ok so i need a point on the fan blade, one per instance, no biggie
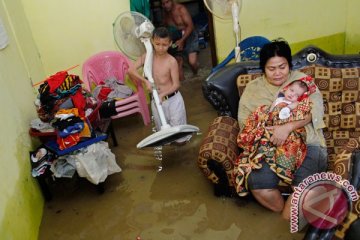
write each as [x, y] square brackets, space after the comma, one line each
[124, 30]
[127, 24]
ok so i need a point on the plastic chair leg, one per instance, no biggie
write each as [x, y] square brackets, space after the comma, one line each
[145, 115]
[111, 131]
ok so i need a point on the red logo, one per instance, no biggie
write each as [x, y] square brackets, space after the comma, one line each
[324, 205]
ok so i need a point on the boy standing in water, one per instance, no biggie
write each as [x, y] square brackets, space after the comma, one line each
[166, 77]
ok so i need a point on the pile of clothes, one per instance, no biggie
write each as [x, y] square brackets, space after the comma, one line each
[108, 92]
[93, 162]
[68, 109]
[62, 102]
[111, 89]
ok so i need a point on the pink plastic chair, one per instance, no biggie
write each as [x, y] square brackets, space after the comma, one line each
[113, 64]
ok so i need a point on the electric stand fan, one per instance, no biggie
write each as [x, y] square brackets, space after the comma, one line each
[130, 29]
[228, 9]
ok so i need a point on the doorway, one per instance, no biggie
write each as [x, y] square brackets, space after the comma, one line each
[201, 17]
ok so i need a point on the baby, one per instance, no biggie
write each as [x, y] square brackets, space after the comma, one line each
[290, 95]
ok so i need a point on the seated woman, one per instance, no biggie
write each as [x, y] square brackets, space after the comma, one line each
[276, 64]
[293, 104]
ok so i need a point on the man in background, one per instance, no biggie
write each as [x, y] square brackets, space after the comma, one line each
[185, 38]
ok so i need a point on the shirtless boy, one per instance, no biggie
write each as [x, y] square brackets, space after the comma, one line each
[176, 15]
[166, 77]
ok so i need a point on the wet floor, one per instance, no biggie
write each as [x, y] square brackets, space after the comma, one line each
[141, 202]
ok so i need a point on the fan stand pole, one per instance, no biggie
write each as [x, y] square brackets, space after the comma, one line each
[235, 14]
[237, 54]
[167, 133]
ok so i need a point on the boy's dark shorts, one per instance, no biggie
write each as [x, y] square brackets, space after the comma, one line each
[314, 162]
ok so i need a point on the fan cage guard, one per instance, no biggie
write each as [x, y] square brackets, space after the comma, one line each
[222, 8]
[125, 39]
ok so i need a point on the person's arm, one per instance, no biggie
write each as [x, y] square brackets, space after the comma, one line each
[134, 74]
[189, 27]
[175, 81]
[281, 132]
[243, 108]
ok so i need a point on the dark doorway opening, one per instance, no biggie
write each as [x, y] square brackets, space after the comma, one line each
[202, 19]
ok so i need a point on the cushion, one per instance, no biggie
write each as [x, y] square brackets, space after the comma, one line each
[243, 79]
[220, 145]
[340, 88]
[343, 166]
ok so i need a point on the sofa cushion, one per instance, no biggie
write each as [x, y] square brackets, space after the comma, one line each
[220, 145]
[340, 89]
[243, 79]
[335, 140]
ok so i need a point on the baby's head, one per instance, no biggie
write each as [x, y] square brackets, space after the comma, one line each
[295, 90]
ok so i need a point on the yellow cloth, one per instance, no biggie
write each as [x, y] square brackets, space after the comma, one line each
[260, 92]
[86, 132]
[74, 111]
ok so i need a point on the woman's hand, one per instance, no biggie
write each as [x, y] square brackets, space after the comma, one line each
[280, 134]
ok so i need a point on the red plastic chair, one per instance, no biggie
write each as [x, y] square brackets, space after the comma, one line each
[113, 64]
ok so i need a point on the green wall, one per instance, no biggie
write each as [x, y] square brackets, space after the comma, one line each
[67, 32]
[333, 44]
[21, 203]
[333, 25]
[352, 41]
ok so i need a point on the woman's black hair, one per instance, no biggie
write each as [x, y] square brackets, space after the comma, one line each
[161, 32]
[278, 47]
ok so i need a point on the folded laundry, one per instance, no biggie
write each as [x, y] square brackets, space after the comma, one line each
[41, 159]
[63, 124]
[39, 170]
[111, 89]
[77, 127]
[107, 109]
[64, 116]
[68, 141]
[38, 155]
[63, 167]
